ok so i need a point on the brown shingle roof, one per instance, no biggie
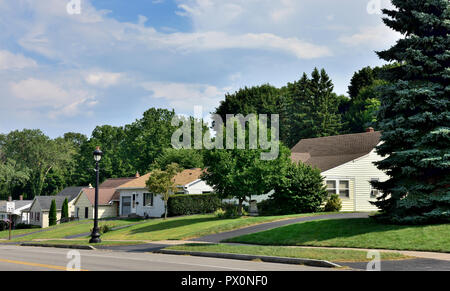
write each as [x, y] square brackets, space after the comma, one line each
[105, 195]
[116, 182]
[329, 152]
[181, 179]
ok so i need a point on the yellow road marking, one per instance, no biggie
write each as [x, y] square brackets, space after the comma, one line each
[37, 265]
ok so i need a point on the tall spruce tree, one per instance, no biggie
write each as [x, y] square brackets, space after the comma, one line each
[65, 211]
[317, 114]
[52, 216]
[414, 115]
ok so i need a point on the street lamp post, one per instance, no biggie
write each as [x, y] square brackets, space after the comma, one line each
[95, 236]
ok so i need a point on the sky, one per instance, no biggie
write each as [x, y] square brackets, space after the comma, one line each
[66, 67]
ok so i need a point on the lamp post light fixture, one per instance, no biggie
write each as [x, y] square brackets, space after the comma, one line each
[95, 236]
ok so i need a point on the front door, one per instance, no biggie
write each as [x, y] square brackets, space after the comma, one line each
[126, 206]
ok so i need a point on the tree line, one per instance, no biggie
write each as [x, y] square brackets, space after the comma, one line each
[32, 164]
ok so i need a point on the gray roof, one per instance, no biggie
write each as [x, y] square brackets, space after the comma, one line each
[22, 203]
[70, 192]
[329, 152]
[46, 201]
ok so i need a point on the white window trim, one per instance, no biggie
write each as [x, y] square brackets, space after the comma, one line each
[337, 180]
[372, 188]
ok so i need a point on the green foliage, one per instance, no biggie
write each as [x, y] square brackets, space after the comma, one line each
[312, 108]
[220, 213]
[301, 190]
[193, 204]
[33, 150]
[414, 115]
[12, 175]
[363, 78]
[334, 204]
[363, 109]
[161, 182]
[52, 215]
[65, 210]
[105, 228]
[241, 174]
[187, 159]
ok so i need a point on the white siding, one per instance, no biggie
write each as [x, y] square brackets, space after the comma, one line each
[198, 187]
[361, 171]
[157, 210]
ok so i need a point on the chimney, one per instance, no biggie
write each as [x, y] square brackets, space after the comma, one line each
[370, 129]
[21, 197]
[10, 198]
[137, 175]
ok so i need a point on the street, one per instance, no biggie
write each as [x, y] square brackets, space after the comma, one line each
[17, 258]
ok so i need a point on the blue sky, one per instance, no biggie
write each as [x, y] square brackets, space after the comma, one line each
[64, 72]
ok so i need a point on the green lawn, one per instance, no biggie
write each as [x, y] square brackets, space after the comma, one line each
[86, 242]
[5, 234]
[67, 229]
[355, 233]
[189, 227]
[289, 252]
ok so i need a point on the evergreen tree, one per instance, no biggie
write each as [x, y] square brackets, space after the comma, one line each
[52, 218]
[363, 78]
[65, 210]
[415, 116]
[317, 112]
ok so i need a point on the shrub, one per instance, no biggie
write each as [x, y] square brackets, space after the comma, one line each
[25, 226]
[3, 225]
[52, 218]
[334, 204]
[220, 213]
[231, 211]
[65, 211]
[105, 228]
[301, 191]
[185, 204]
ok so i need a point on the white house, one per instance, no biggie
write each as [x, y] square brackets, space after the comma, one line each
[19, 214]
[347, 165]
[108, 203]
[134, 198]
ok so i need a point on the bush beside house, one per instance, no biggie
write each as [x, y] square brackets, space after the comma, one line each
[302, 190]
[52, 216]
[193, 204]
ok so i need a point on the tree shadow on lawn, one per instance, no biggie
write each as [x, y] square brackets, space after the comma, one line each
[168, 224]
[321, 230]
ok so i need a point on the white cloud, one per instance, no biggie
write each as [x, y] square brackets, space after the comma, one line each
[37, 94]
[374, 36]
[103, 79]
[12, 61]
[183, 97]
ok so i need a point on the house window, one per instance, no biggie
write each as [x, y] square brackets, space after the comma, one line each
[148, 199]
[86, 212]
[339, 187]
[38, 216]
[31, 215]
[374, 193]
[134, 200]
[331, 187]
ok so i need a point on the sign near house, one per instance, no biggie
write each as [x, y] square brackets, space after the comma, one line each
[10, 207]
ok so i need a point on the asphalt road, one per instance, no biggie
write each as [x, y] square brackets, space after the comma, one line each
[16, 258]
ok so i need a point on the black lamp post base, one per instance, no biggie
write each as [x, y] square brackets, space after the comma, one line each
[95, 238]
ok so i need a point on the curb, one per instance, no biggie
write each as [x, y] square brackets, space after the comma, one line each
[280, 260]
[58, 246]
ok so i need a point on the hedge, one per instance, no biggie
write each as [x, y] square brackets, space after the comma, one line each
[186, 204]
